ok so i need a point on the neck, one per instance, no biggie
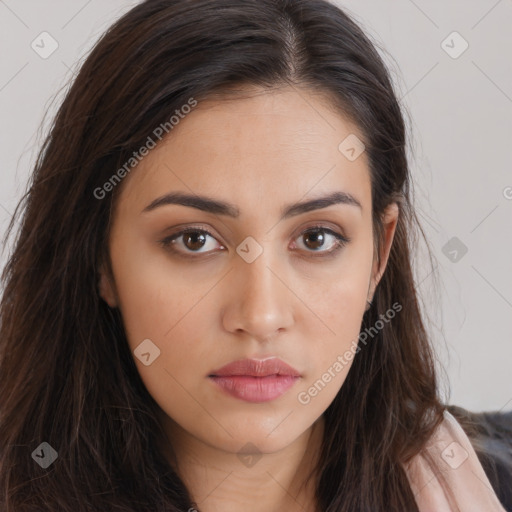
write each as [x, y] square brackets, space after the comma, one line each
[220, 480]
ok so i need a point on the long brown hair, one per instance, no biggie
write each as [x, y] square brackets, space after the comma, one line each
[67, 375]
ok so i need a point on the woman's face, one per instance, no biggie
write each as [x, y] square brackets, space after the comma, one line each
[271, 280]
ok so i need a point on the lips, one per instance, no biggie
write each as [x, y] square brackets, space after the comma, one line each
[256, 368]
[255, 380]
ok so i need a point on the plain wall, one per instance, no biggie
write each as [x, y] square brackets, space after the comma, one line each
[460, 109]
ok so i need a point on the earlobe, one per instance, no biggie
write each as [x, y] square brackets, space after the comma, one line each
[106, 289]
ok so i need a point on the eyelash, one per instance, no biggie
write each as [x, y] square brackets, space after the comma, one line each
[340, 241]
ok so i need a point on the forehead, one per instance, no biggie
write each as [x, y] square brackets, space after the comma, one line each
[266, 148]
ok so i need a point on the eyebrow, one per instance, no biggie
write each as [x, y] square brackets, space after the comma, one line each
[210, 205]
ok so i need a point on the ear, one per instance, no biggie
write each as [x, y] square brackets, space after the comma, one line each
[389, 221]
[106, 288]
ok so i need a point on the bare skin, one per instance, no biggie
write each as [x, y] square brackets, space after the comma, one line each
[205, 306]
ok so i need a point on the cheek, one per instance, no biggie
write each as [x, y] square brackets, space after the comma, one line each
[332, 324]
[331, 354]
[171, 309]
[339, 297]
[341, 310]
[153, 297]
[168, 311]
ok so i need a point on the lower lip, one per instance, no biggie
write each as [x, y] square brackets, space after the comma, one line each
[255, 389]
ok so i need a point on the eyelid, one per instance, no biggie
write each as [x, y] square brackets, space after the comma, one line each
[329, 227]
[167, 241]
[340, 240]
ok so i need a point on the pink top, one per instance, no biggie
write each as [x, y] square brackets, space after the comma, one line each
[446, 476]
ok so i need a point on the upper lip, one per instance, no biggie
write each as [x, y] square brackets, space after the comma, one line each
[256, 368]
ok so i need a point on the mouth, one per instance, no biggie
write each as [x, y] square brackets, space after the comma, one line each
[254, 380]
[255, 389]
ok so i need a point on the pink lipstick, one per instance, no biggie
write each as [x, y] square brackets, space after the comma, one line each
[255, 380]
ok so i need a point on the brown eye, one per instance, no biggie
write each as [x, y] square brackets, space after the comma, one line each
[314, 239]
[321, 240]
[194, 240]
[190, 241]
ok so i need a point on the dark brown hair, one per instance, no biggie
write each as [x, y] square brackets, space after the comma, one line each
[68, 377]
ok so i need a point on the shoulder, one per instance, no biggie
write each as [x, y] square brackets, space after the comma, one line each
[491, 437]
[447, 474]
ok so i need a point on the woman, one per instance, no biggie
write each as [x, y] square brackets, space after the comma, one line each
[210, 304]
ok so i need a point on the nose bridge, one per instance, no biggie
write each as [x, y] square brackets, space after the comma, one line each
[258, 278]
[260, 303]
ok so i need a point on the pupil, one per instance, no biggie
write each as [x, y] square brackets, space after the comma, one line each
[197, 240]
[315, 237]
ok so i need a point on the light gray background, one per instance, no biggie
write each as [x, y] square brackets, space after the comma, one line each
[461, 118]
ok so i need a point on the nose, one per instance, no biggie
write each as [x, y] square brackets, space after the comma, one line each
[259, 303]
